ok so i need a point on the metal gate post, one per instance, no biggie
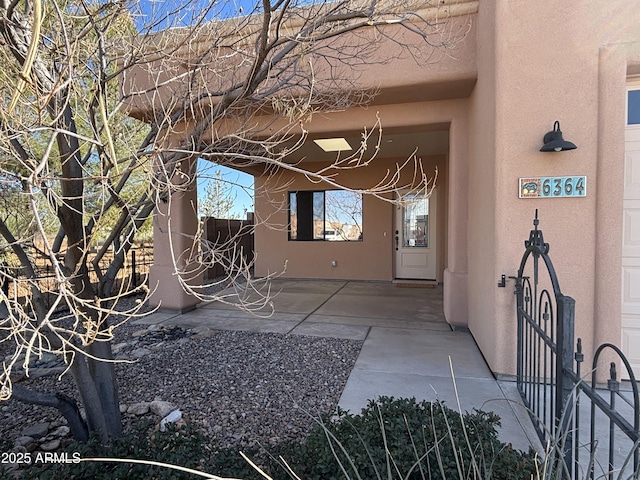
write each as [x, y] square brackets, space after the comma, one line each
[564, 385]
[520, 329]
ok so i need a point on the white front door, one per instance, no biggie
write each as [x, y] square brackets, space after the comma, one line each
[415, 237]
[631, 236]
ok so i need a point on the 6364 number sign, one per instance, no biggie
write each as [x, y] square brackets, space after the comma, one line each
[553, 187]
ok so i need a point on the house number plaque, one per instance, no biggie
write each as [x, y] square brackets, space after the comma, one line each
[553, 187]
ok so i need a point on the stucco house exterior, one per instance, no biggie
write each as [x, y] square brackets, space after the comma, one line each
[479, 117]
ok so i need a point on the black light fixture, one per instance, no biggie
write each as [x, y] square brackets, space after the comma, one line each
[553, 141]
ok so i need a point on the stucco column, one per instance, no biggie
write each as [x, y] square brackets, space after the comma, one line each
[455, 275]
[175, 224]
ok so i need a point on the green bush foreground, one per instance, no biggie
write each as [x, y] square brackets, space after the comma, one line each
[390, 439]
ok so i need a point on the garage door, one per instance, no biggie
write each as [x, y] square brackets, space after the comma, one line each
[631, 233]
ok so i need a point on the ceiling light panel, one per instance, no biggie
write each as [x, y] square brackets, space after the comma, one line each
[333, 144]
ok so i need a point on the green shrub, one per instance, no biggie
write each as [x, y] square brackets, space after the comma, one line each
[228, 463]
[400, 438]
[390, 439]
[182, 446]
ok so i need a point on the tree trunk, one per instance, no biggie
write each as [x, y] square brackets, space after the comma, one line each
[96, 379]
[90, 397]
[66, 405]
[104, 377]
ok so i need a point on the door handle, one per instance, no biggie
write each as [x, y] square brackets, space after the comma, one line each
[397, 241]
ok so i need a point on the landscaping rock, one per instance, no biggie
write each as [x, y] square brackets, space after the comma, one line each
[140, 352]
[141, 408]
[173, 417]
[275, 380]
[51, 445]
[17, 376]
[23, 441]
[48, 371]
[61, 431]
[162, 408]
[203, 332]
[36, 431]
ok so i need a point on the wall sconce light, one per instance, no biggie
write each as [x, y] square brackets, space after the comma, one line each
[553, 141]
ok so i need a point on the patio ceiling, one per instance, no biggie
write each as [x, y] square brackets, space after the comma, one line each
[393, 144]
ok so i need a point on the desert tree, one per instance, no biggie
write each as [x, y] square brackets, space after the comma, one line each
[219, 196]
[344, 208]
[107, 105]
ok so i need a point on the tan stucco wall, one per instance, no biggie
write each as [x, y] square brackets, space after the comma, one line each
[175, 225]
[443, 67]
[482, 187]
[563, 61]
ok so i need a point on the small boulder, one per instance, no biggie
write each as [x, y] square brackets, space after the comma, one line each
[162, 408]
[51, 445]
[173, 417]
[23, 441]
[17, 376]
[141, 408]
[61, 431]
[38, 430]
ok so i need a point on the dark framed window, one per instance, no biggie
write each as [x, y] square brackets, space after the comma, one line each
[633, 107]
[325, 215]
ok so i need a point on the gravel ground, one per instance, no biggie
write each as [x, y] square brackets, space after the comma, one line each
[242, 388]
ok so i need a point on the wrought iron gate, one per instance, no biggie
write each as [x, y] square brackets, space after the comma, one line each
[560, 402]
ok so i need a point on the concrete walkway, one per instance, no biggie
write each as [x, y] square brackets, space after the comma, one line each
[409, 350]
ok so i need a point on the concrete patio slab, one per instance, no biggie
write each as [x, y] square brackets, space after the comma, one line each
[388, 289]
[380, 322]
[326, 287]
[394, 350]
[207, 315]
[283, 302]
[414, 363]
[365, 385]
[374, 305]
[510, 392]
[333, 330]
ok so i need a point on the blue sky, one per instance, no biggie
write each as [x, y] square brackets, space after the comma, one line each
[242, 190]
[184, 12]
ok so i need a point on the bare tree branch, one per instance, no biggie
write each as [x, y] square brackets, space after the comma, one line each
[108, 111]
